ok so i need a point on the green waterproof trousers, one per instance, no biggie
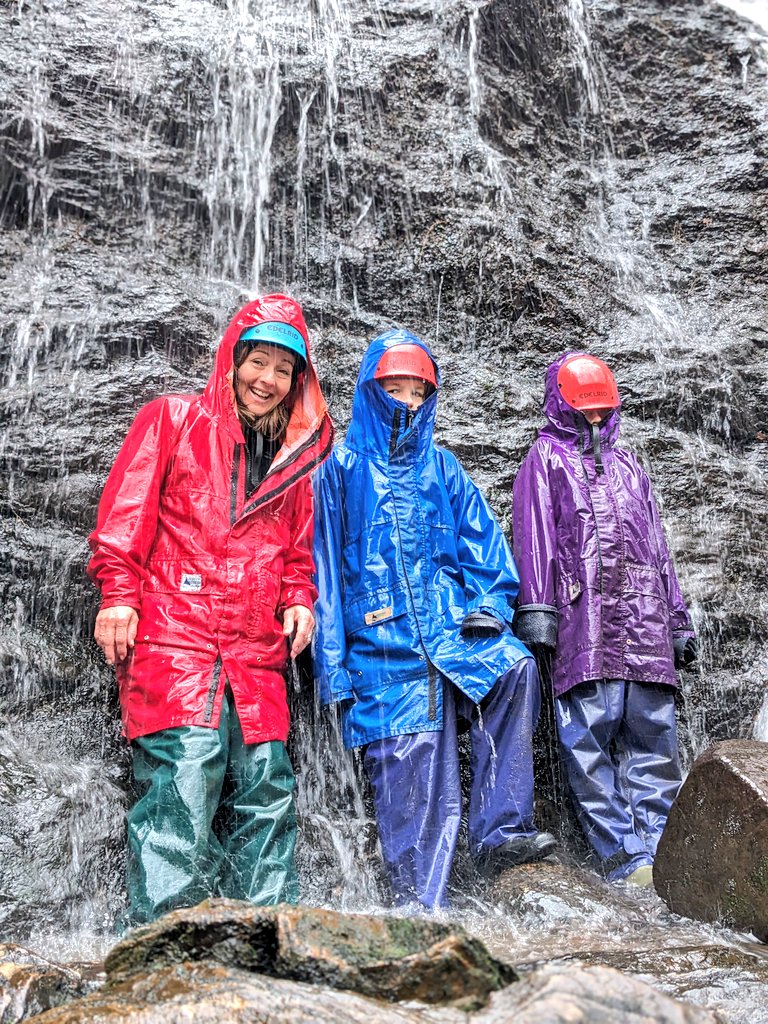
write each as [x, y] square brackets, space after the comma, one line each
[215, 818]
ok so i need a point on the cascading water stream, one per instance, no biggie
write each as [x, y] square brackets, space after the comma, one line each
[376, 159]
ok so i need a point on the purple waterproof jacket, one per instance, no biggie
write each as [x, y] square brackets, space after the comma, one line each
[589, 546]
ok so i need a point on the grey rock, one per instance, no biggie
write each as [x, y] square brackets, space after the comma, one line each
[210, 993]
[592, 995]
[385, 958]
[712, 861]
[228, 962]
[31, 984]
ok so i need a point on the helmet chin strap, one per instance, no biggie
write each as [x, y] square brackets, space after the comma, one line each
[594, 429]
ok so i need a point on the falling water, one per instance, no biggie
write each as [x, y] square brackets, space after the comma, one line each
[760, 729]
[582, 50]
[374, 159]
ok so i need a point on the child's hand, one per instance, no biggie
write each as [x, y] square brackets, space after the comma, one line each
[299, 623]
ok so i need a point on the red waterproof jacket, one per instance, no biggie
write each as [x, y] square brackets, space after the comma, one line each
[209, 572]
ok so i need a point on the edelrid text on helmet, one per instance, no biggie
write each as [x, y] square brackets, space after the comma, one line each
[283, 335]
[406, 361]
[586, 382]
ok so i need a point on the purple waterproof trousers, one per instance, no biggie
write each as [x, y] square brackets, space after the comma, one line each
[618, 743]
[417, 786]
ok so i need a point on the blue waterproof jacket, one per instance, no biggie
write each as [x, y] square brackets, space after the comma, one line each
[405, 547]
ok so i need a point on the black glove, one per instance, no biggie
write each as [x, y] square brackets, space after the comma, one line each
[537, 628]
[686, 650]
[478, 625]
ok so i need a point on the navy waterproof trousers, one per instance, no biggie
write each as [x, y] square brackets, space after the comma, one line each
[618, 744]
[417, 786]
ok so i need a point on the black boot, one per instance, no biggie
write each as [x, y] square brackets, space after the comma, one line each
[517, 850]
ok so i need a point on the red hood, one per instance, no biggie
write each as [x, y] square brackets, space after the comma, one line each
[309, 415]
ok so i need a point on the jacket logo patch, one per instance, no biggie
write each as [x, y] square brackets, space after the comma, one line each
[574, 590]
[379, 615]
[191, 583]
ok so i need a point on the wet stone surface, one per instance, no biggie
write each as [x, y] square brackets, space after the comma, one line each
[224, 961]
[712, 862]
[31, 984]
[385, 958]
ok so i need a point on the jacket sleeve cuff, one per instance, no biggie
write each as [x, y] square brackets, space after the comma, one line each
[499, 609]
[537, 627]
[126, 599]
[335, 686]
[298, 595]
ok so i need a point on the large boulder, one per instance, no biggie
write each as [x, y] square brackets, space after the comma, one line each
[382, 957]
[210, 993]
[712, 862]
[589, 995]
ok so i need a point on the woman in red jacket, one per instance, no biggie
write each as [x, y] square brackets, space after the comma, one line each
[202, 551]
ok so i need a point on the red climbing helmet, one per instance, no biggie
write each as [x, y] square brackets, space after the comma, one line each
[585, 382]
[406, 361]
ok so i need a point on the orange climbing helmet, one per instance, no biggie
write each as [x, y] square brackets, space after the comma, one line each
[585, 382]
[406, 361]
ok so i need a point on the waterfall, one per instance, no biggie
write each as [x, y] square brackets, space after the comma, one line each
[508, 180]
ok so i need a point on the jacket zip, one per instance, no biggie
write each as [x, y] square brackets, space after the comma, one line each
[262, 499]
[431, 674]
[623, 554]
[594, 519]
[236, 460]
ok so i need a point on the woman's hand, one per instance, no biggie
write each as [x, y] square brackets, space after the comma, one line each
[299, 623]
[115, 632]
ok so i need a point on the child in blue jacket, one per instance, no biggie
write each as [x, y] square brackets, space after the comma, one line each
[416, 591]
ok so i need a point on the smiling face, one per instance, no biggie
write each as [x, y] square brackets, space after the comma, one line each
[264, 377]
[410, 390]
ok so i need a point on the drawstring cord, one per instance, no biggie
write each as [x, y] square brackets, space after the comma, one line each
[595, 431]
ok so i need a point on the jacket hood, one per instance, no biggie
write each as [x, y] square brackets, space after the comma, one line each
[378, 417]
[565, 422]
[309, 434]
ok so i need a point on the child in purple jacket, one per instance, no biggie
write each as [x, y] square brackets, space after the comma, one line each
[598, 588]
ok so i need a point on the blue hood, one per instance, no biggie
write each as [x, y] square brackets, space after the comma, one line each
[406, 547]
[374, 411]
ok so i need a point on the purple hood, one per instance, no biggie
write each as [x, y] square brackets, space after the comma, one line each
[568, 424]
[591, 552]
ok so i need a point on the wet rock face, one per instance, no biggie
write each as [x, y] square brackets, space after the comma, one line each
[30, 984]
[712, 862]
[501, 179]
[593, 995]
